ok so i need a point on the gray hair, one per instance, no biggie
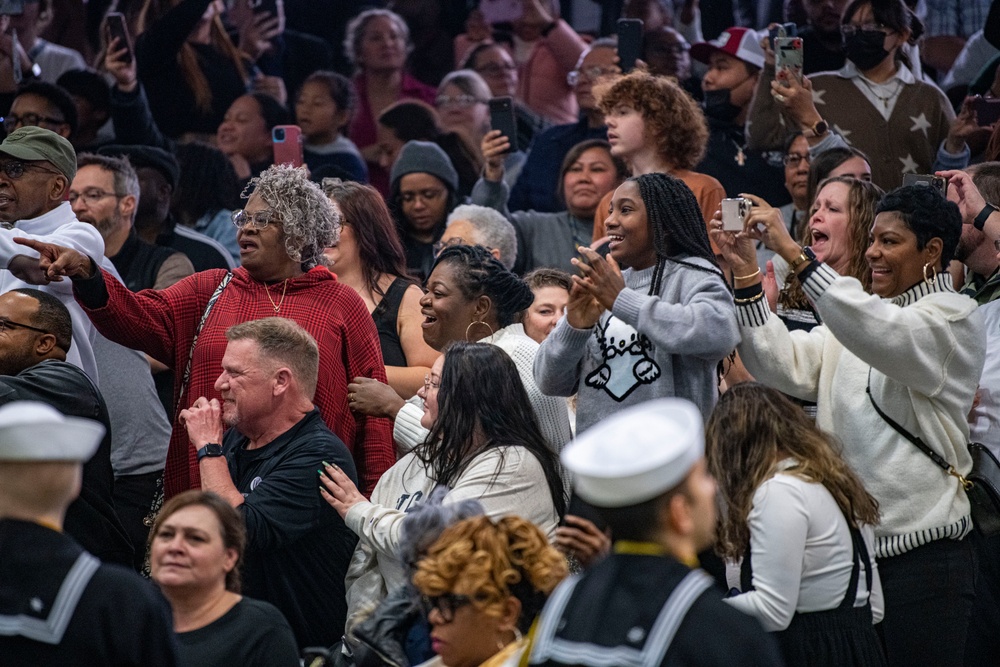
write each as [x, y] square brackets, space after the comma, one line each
[125, 180]
[494, 230]
[309, 220]
[356, 30]
[469, 82]
[283, 342]
[423, 524]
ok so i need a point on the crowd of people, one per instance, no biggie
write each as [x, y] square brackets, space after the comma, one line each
[679, 366]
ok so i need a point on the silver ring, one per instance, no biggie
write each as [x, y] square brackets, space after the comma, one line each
[780, 97]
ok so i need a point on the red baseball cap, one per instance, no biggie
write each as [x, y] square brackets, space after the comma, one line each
[741, 43]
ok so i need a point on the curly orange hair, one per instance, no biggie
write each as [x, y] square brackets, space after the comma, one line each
[492, 561]
[673, 119]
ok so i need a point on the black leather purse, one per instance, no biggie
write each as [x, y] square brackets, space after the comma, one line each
[982, 485]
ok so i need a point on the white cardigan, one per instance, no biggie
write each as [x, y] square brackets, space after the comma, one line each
[925, 349]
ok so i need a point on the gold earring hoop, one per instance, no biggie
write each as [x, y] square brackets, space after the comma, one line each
[474, 323]
[930, 280]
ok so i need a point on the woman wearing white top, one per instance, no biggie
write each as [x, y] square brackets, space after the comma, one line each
[801, 521]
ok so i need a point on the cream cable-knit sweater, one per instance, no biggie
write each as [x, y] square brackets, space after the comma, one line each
[925, 349]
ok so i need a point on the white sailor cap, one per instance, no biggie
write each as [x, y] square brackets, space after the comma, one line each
[32, 431]
[637, 454]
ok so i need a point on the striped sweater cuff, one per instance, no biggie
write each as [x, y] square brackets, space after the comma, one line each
[893, 545]
[753, 314]
[815, 283]
[407, 430]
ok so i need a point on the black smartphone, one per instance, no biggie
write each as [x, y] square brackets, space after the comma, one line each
[502, 118]
[629, 43]
[987, 110]
[939, 183]
[118, 29]
[585, 510]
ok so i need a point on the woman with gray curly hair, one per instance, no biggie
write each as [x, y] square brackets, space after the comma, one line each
[282, 231]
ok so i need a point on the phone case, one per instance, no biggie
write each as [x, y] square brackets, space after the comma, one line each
[117, 28]
[629, 43]
[502, 118]
[788, 55]
[287, 143]
[734, 213]
[987, 110]
[929, 180]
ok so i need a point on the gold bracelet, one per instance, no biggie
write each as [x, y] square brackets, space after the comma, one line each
[748, 277]
[753, 299]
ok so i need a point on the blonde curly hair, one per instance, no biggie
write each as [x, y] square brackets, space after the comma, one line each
[493, 560]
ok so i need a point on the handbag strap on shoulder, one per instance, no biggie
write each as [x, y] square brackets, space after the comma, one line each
[917, 442]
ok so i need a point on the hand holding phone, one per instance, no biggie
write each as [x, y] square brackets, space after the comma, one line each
[629, 43]
[939, 183]
[788, 57]
[734, 213]
[117, 29]
[502, 118]
[987, 110]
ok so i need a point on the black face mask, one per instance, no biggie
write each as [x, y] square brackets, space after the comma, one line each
[718, 106]
[865, 48]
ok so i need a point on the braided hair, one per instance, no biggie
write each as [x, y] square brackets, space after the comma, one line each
[677, 224]
[479, 273]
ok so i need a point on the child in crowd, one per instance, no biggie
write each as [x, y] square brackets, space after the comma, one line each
[323, 110]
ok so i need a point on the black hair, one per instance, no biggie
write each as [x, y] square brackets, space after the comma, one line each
[574, 153]
[821, 165]
[986, 177]
[55, 96]
[638, 523]
[207, 184]
[273, 111]
[339, 87]
[677, 223]
[88, 84]
[52, 315]
[482, 404]
[790, 139]
[480, 273]
[411, 120]
[928, 215]
[893, 14]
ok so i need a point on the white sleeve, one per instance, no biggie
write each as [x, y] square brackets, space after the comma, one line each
[407, 430]
[779, 524]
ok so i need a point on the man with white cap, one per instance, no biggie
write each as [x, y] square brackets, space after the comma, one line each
[647, 603]
[58, 604]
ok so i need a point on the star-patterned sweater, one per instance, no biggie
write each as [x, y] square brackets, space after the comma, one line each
[905, 143]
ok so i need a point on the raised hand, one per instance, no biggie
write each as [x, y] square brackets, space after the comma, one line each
[601, 277]
[57, 261]
[203, 421]
[124, 72]
[494, 146]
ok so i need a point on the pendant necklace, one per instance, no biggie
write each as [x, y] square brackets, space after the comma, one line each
[874, 91]
[267, 291]
[741, 157]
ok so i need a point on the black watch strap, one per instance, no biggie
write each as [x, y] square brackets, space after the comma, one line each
[212, 449]
[980, 220]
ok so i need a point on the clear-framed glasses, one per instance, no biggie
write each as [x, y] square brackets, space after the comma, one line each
[256, 220]
[12, 121]
[850, 29]
[496, 69]
[461, 101]
[795, 159]
[446, 604]
[91, 196]
[15, 169]
[453, 241]
[590, 73]
[428, 195]
[11, 324]
[430, 383]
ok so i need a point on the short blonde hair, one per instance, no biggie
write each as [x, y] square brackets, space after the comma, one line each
[283, 342]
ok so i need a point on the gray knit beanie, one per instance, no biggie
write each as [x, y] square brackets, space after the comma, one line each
[423, 157]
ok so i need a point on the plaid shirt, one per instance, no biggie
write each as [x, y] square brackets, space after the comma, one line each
[162, 324]
[960, 18]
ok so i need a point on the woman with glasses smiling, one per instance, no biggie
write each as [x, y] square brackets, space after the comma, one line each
[875, 100]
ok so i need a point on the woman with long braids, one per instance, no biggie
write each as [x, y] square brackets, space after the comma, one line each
[484, 444]
[656, 329]
[801, 521]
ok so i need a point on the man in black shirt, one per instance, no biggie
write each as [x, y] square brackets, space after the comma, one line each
[298, 548]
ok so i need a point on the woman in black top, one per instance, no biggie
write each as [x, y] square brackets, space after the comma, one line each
[369, 257]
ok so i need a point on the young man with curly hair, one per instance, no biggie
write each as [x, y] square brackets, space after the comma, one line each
[655, 126]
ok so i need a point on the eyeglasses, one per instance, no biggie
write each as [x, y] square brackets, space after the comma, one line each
[850, 29]
[430, 384]
[794, 159]
[446, 605]
[590, 73]
[462, 101]
[12, 121]
[11, 324]
[256, 220]
[91, 197]
[496, 69]
[453, 241]
[425, 195]
[15, 169]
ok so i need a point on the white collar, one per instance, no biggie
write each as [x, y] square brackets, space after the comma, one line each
[903, 73]
[48, 222]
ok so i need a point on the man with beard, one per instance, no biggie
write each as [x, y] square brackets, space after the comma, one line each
[734, 61]
[105, 193]
[37, 334]
[822, 43]
[265, 465]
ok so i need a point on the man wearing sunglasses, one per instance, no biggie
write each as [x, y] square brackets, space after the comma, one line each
[37, 167]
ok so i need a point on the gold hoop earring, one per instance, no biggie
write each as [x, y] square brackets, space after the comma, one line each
[474, 323]
[933, 276]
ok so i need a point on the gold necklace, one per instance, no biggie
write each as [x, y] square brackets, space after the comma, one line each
[267, 291]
